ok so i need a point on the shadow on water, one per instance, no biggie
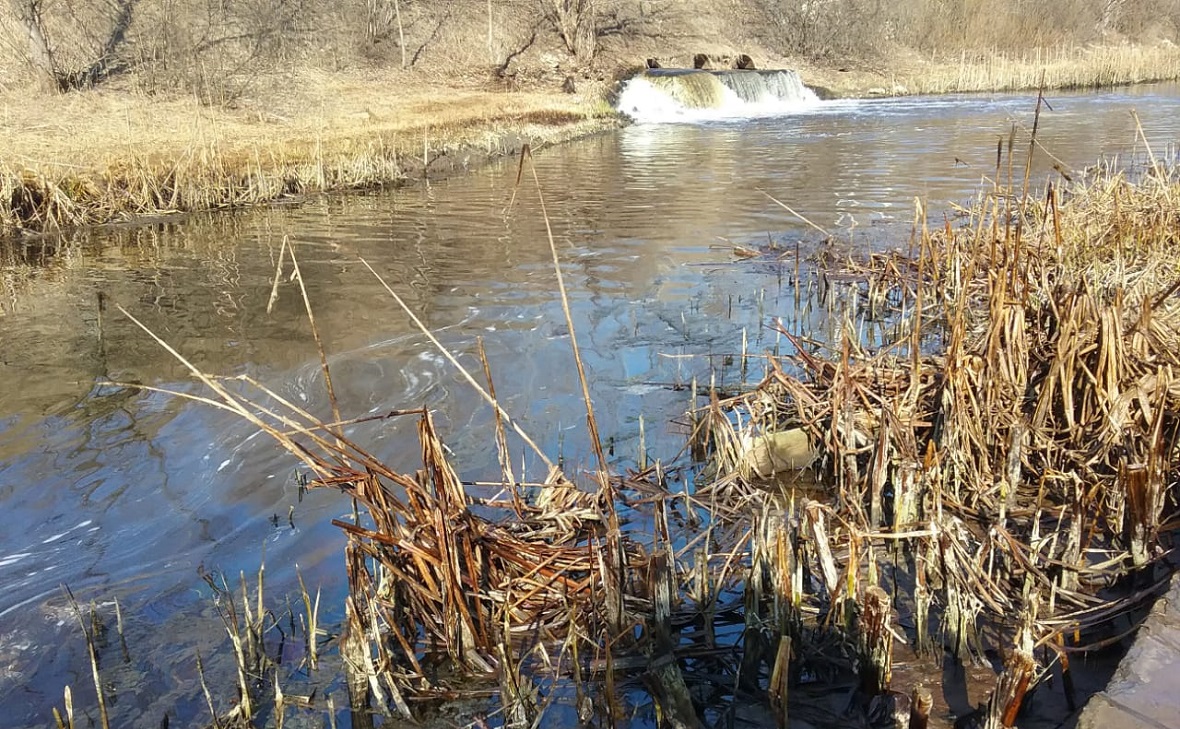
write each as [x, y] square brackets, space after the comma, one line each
[123, 492]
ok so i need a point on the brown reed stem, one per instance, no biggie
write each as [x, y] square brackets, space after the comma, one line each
[591, 421]
[315, 333]
[104, 720]
[462, 370]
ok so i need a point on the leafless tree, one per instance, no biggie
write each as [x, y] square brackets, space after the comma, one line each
[576, 22]
[92, 63]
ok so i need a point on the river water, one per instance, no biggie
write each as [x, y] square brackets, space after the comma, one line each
[123, 493]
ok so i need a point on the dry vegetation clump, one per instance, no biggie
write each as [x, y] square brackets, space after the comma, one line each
[995, 483]
[1006, 468]
[113, 160]
[1061, 67]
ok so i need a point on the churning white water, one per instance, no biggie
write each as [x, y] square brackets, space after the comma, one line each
[663, 96]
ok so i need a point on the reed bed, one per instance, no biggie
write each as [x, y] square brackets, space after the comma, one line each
[994, 484]
[1060, 67]
[1004, 467]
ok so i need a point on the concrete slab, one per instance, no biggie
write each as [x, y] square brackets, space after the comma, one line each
[1144, 692]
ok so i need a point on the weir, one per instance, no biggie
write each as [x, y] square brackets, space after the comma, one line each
[681, 94]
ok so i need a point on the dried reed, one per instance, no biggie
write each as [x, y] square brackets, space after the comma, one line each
[1002, 488]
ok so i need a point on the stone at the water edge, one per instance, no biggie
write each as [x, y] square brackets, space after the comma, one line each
[777, 453]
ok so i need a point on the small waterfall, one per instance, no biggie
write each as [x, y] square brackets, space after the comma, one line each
[663, 95]
[757, 87]
[691, 89]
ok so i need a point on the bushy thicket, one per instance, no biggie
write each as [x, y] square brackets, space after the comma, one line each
[863, 28]
[215, 47]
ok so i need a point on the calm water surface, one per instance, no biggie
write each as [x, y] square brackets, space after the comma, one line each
[123, 493]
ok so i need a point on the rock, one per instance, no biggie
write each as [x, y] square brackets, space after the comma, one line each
[766, 455]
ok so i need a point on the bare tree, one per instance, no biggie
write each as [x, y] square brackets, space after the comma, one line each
[30, 16]
[96, 62]
[576, 22]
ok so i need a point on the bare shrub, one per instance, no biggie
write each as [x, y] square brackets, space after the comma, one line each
[216, 49]
[1142, 19]
[576, 23]
[826, 29]
[950, 28]
[71, 44]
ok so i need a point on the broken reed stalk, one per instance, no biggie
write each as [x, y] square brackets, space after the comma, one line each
[68, 699]
[207, 693]
[246, 627]
[663, 676]
[921, 701]
[875, 642]
[779, 689]
[462, 370]
[502, 452]
[92, 651]
[315, 333]
[122, 636]
[591, 421]
[312, 615]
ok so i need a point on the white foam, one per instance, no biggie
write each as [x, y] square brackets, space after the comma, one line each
[645, 103]
[55, 537]
[14, 558]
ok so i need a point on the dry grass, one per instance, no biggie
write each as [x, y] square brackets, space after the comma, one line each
[104, 155]
[1065, 66]
[1010, 485]
[99, 156]
[1061, 67]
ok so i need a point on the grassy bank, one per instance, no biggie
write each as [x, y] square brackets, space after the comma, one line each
[116, 153]
[98, 157]
[1058, 67]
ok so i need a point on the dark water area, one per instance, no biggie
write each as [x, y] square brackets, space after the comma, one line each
[121, 492]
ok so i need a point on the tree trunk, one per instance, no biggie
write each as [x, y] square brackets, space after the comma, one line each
[401, 33]
[40, 58]
[577, 25]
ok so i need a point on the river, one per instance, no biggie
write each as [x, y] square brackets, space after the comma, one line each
[120, 492]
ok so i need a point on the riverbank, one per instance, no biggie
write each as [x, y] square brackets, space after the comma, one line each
[1059, 67]
[114, 154]
[104, 156]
